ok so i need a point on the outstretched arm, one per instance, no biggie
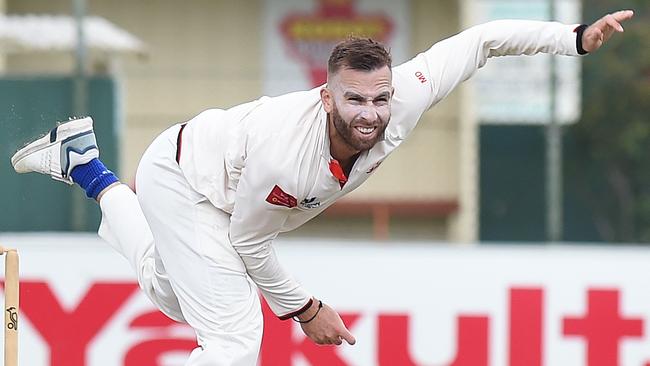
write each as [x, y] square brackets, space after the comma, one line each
[434, 73]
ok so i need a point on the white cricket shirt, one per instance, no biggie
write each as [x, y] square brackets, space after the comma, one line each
[266, 162]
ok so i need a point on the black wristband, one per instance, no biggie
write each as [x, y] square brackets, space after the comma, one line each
[579, 31]
[320, 306]
[299, 311]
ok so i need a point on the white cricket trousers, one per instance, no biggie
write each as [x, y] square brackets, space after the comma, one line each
[177, 243]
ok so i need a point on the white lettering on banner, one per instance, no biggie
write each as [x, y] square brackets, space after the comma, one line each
[407, 305]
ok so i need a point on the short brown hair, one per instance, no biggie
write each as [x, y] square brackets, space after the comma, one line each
[362, 54]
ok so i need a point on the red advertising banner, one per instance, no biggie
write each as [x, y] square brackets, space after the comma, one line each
[407, 304]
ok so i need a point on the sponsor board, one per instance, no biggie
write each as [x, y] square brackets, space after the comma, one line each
[407, 304]
[299, 36]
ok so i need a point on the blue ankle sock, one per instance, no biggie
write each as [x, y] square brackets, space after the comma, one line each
[93, 177]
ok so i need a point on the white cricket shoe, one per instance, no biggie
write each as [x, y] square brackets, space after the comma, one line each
[67, 145]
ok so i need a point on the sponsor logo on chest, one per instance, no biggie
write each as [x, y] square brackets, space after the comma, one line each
[312, 202]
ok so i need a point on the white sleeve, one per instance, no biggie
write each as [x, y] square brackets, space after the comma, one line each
[254, 224]
[446, 64]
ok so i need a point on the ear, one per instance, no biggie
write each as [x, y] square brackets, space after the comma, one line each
[326, 98]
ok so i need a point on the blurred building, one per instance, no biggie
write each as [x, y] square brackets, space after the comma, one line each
[204, 54]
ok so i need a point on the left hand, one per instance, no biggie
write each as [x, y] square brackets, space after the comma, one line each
[327, 327]
[599, 32]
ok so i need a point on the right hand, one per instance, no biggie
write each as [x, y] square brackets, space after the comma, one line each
[327, 327]
[599, 32]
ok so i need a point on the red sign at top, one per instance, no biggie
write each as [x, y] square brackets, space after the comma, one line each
[310, 37]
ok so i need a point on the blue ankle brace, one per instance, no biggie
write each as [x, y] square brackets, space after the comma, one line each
[93, 177]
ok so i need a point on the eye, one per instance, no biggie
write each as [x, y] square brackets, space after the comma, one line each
[381, 100]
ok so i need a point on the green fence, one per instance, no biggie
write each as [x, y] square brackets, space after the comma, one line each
[513, 186]
[29, 107]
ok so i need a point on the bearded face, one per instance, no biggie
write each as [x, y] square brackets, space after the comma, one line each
[358, 103]
[363, 131]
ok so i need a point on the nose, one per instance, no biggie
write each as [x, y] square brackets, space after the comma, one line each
[368, 113]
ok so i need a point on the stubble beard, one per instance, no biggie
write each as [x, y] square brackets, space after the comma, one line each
[347, 133]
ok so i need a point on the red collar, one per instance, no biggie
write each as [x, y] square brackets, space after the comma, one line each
[338, 172]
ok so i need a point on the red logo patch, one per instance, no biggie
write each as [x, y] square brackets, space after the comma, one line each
[279, 197]
[420, 76]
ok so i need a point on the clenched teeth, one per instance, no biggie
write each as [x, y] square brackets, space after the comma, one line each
[366, 130]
